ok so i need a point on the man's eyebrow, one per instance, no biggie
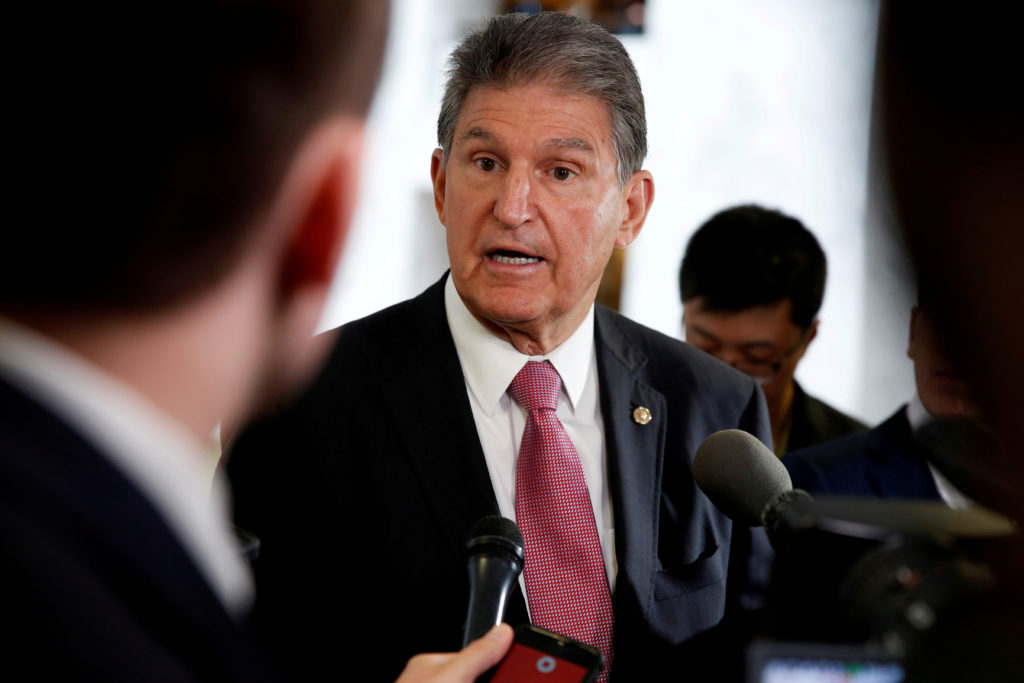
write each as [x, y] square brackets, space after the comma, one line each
[703, 332]
[558, 143]
[569, 143]
[758, 344]
[476, 134]
[750, 345]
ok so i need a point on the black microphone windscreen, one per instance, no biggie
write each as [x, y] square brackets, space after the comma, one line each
[739, 474]
[495, 532]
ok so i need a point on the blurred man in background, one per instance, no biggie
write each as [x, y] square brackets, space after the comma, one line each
[887, 461]
[751, 283]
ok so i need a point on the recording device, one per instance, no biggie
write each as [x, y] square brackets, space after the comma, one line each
[744, 479]
[494, 562]
[878, 580]
[789, 662]
[542, 656]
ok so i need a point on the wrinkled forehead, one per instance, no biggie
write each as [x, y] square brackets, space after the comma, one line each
[554, 84]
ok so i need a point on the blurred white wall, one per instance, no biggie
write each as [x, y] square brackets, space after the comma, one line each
[763, 101]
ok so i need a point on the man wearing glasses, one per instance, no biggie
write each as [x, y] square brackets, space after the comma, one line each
[751, 283]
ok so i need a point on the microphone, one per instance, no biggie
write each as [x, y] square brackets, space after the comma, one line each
[747, 482]
[495, 559]
[744, 479]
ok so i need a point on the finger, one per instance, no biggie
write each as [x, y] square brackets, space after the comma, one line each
[482, 653]
[463, 666]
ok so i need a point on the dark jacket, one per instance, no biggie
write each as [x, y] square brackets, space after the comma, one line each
[363, 494]
[816, 422]
[94, 586]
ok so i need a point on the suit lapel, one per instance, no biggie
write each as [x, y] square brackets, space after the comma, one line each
[435, 420]
[895, 471]
[635, 453]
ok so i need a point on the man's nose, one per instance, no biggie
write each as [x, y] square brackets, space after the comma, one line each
[513, 206]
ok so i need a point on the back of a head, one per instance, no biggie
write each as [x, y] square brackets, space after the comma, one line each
[951, 116]
[150, 137]
[748, 256]
[577, 55]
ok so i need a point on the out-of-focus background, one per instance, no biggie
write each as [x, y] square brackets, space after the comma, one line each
[765, 101]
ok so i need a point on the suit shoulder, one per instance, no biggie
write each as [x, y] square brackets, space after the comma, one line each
[670, 360]
[815, 422]
[395, 334]
[849, 447]
[836, 419]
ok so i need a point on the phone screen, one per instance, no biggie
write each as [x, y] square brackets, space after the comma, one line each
[527, 664]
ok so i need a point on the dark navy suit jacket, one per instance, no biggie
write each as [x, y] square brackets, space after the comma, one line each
[363, 493]
[884, 462]
[93, 584]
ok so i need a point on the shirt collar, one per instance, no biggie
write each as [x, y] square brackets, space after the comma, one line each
[154, 451]
[490, 363]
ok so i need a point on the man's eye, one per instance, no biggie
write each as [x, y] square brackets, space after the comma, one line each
[486, 164]
[562, 173]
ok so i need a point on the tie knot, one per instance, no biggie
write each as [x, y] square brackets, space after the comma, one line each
[536, 386]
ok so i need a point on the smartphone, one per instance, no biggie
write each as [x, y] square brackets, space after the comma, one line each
[542, 656]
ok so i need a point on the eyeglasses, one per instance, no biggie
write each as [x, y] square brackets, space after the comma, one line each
[763, 370]
[775, 364]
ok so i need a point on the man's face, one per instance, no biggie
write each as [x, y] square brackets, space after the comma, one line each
[762, 342]
[532, 206]
[940, 387]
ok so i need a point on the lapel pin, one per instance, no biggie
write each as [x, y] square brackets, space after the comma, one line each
[641, 415]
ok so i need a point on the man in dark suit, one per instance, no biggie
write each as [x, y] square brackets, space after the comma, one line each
[231, 136]
[751, 283]
[890, 461]
[537, 179]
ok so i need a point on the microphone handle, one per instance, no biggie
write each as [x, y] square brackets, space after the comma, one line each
[490, 582]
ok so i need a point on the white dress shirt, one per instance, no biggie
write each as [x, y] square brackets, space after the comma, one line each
[154, 451]
[489, 364]
[918, 416]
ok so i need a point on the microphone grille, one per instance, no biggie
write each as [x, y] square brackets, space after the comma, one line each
[496, 530]
[739, 474]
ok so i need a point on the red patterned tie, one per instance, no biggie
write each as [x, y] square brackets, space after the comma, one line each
[566, 583]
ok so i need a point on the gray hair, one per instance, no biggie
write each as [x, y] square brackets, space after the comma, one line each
[578, 55]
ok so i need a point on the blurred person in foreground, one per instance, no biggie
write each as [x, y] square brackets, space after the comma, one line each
[951, 121]
[537, 180]
[186, 174]
[952, 134]
[751, 282]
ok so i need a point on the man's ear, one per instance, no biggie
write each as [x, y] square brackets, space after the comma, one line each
[813, 332]
[437, 177]
[639, 195]
[316, 202]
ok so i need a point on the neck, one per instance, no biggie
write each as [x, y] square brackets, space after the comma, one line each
[533, 338]
[191, 362]
[780, 412]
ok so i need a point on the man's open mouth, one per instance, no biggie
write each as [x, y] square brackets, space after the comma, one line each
[513, 258]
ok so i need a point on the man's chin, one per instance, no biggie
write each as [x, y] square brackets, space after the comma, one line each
[951, 404]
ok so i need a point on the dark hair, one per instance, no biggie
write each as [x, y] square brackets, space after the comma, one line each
[152, 134]
[576, 54]
[750, 256]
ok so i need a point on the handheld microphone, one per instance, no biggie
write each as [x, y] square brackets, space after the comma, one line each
[495, 559]
[747, 482]
[744, 479]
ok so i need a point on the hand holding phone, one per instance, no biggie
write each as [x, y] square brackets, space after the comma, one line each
[463, 666]
[542, 656]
